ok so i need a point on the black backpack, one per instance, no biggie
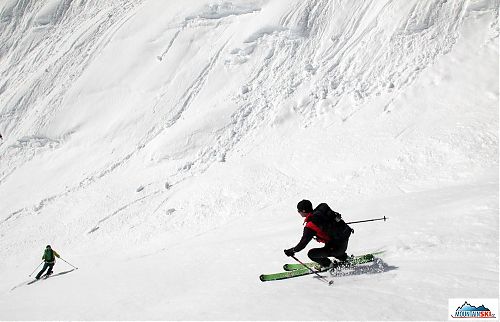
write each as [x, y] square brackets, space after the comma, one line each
[331, 223]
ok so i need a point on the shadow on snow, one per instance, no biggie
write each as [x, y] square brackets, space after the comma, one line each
[34, 281]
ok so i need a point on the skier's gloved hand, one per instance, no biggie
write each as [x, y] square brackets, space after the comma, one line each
[289, 252]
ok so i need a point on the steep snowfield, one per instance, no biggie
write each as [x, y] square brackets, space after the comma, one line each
[162, 148]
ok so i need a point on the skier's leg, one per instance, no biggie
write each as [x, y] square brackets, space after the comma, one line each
[320, 256]
[339, 250]
[41, 272]
[51, 266]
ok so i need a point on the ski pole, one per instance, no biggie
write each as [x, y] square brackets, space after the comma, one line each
[68, 263]
[320, 277]
[35, 269]
[355, 222]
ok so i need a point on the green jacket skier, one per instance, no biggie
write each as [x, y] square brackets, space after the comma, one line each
[49, 257]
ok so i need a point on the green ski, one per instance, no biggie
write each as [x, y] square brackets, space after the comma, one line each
[284, 275]
[295, 270]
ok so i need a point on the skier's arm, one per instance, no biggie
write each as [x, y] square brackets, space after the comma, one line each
[307, 235]
[56, 254]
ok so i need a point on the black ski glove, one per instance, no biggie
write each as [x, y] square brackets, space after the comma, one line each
[289, 252]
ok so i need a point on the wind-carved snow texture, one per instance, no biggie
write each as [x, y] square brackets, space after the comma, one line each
[165, 134]
[334, 65]
[340, 68]
[23, 151]
[225, 9]
[50, 44]
[337, 54]
[44, 48]
[52, 48]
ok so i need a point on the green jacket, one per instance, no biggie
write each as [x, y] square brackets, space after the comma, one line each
[48, 255]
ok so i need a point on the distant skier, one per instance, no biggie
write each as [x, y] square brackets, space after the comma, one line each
[327, 227]
[49, 257]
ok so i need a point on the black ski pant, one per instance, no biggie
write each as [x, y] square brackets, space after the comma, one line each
[45, 266]
[333, 249]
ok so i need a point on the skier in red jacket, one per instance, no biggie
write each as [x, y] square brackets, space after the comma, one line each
[326, 226]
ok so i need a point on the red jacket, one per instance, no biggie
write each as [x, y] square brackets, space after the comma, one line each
[321, 236]
[311, 230]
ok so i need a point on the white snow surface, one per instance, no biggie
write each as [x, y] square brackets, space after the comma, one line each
[162, 146]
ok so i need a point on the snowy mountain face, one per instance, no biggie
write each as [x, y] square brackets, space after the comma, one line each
[161, 147]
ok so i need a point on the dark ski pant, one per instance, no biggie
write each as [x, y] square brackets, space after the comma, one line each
[45, 266]
[337, 250]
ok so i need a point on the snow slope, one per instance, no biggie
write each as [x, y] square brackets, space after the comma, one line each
[162, 148]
